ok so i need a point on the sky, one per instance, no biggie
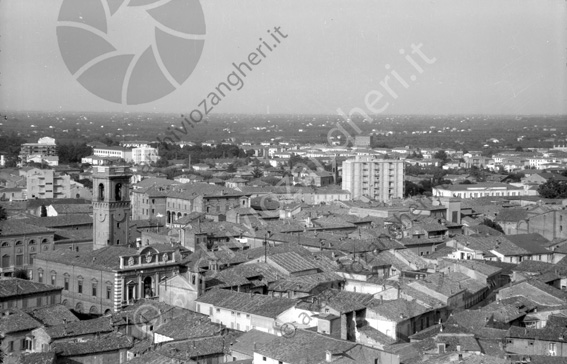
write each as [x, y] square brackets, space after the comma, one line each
[477, 57]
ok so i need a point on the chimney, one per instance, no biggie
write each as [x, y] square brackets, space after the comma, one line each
[328, 356]
[458, 347]
[440, 348]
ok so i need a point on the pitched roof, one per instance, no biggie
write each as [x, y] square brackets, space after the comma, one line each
[52, 315]
[397, 310]
[10, 287]
[107, 258]
[185, 350]
[16, 320]
[304, 346]
[245, 343]
[254, 304]
[20, 227]
[106, 343]
[80, 328]
[292, 262]
[189, 326]
[61, 220]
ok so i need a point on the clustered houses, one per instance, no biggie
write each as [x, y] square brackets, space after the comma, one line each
[226, 268]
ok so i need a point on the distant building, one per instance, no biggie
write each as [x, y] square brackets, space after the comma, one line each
[362, 141]
[44, 147]
[477, 190]
[377, 179]
[114, 152]
[144, 155]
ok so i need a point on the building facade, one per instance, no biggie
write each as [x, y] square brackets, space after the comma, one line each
[46, 183]
[377, 179]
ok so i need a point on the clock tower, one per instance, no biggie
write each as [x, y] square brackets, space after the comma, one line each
[111, 206]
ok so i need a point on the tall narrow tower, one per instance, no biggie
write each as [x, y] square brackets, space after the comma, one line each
[111, 206]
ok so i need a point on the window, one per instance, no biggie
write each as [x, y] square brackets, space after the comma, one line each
[108, 293]
[10, 346]
[40, 275]
[38, 303]
[19, 260]
[80, 286]
[66, 283]
[94, 289]
[6, 261]
[53, 279]
[263, 358]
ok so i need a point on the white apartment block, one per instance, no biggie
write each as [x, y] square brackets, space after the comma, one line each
[46, 183]
[145, 155]
[378, 179]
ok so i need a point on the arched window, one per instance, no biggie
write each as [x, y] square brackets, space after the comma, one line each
[53, 277]
[18, 242]
[6, 261]
[31, 242]
[45, 241]
[5, 244]
[118, 192]
[101, 192]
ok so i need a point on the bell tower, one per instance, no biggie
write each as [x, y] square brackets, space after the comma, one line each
[111, 206]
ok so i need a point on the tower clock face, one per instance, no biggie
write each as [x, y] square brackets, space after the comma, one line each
[119, 215]
[101, 216]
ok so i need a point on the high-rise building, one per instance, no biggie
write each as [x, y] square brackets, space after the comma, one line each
[377, 179]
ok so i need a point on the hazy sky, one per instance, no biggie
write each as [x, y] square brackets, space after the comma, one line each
[491, 57]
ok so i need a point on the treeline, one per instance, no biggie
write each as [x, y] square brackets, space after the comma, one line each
[200, 153]
[73, 152]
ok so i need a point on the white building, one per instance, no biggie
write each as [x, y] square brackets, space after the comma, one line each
[114, 152]
[478, 190]
[145, 155]
[378, 179]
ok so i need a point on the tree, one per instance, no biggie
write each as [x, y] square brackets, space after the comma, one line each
[231, 168]
[257, 172]
[442, 155]
[412, 189]
[3, 213]
[22, 274]
[519, 149]
[492, 224]
[553, 189]
[43, 212]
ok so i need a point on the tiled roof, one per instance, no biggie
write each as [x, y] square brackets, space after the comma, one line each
[52, 315]
[512, 215]
[189, 326]
[344, 301]
[243, 274]
[397, 310]
[376, 335]
[73, 208]
[292, 262]
[107, 258]
[185, 350]
[20, 227]
[303, 347]
[245, 343]
[548, 333]
[10, 287]
[254, 304]
[106, 343]
[15, 320]
[533, 266]
[80, 328]
[534, 243]
[476, 265]
[62, 220]
[37, 358]
[305, 283]
[153, 357]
